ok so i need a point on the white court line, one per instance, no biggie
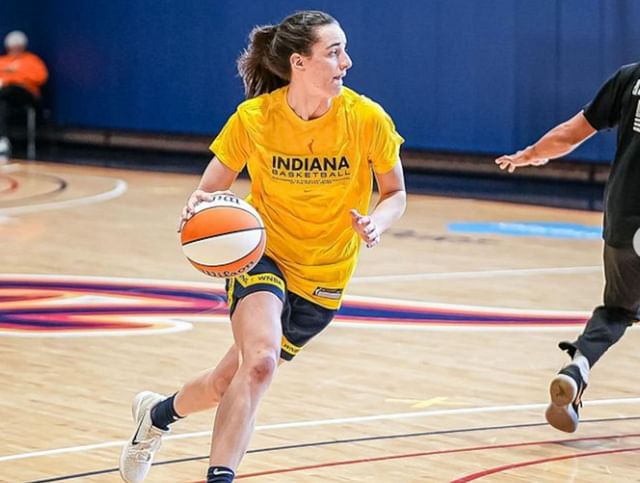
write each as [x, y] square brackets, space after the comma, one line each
[10, 168]
[410, 327]
[125, 281]
[179, 326]
[118, 190]
[345, 323]
[214, 282]
[326, 422]
[475, 274]
[218, 283]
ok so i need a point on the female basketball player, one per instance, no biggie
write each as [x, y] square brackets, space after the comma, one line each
[312, 148]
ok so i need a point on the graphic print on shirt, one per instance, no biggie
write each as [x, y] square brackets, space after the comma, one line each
[636, 119]
[310, 170]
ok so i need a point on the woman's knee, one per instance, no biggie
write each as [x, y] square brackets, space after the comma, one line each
[262, 366]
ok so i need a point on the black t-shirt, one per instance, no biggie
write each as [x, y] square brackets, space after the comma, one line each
[617, 103]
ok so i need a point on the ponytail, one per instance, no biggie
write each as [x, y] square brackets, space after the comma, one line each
[264, 64]
[254, 65]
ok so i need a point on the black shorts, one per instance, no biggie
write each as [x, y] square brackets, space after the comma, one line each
[301, 319]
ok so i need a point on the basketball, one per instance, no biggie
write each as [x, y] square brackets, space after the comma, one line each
[224, 238]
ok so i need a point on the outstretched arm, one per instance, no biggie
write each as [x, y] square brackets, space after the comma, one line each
[560, 140]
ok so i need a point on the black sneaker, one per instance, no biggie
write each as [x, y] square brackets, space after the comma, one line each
[566, 398]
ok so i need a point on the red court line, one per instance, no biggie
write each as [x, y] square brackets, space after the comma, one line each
[499, 469]
[13, 184]
[57, 180]
[443, 451]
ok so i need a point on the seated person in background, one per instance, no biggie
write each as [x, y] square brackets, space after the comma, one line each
[21, 76]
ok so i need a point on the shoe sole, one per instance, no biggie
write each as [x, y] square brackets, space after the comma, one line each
[121, 464]
[563, 390]
[559, 414]
[563, 418]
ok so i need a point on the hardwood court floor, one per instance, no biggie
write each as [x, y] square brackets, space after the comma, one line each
[448, 397]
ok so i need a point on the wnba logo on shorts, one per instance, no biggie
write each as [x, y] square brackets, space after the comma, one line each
[260, 279]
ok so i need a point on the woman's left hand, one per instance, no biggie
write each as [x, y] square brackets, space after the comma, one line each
[366, 228]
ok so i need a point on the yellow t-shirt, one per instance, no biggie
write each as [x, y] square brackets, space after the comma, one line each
[305, 177]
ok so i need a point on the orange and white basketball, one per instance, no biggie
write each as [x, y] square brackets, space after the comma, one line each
[224, 238]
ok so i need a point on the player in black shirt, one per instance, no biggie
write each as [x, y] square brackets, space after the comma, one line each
[617, 104]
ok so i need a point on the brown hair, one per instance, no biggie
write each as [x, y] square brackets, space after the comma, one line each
[264, 65]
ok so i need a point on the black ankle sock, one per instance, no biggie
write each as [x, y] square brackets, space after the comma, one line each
[220, 474]
[163, 414]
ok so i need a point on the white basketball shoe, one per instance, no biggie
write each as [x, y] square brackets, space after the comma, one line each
[137, 455]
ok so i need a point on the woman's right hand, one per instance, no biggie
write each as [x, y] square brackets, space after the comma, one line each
[196, 197]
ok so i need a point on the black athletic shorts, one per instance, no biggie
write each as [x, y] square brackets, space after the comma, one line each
[301, 319]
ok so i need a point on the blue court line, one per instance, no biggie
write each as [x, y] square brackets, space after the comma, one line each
[572, 231]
